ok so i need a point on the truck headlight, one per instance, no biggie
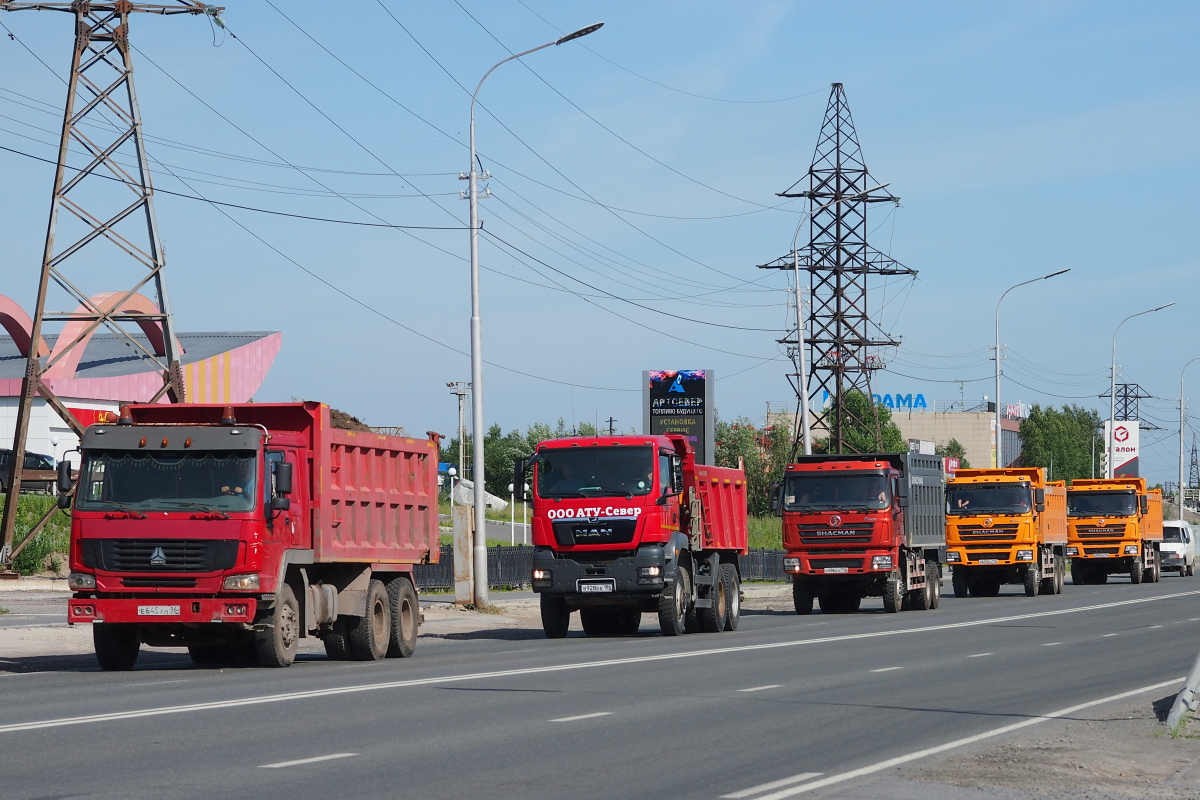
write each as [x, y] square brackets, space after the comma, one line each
[1131, 549]
[81, 581]
[952, 556]
[242, 583]
[1024, 555]
[650, 574]
[542, 576]
[881, 562]
[1072, 551]
[791, 565]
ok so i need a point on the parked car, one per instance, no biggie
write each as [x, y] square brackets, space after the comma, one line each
[1179, 547]
[33, 461]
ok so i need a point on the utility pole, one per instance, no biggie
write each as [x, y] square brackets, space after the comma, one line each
[611, 430]
[838, 261]
[100, 89]
[462, 389]
[1182, 429]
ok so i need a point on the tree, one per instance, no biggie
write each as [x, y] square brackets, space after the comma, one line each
[1063, 438]
[953, 449]
[763, 452]
[859, 427]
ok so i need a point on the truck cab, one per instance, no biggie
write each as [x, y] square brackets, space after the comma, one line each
[1115, 527]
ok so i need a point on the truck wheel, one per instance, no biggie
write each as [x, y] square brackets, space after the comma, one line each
[1157, 568]
[933, 581]
[712, 619]
[406, 616]
[893, 595]
[991, 588]
[1079, 574]
[1032, 582]
[337, 645]
[733, 593]
[802, 596]
[368, 636]
[593, 621]
[629, 621]
[117, 645]
[556, 616]
[918, 599]
[1099, 577]
[1137, 573]
[1059, 580]
[673, 605]
[277, 645]
[1049, 584]
[958, 578]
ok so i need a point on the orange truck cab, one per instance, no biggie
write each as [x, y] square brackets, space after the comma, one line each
[1115, 527]
[1005, 526]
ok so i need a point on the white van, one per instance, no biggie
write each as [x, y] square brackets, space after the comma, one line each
[1178, 547]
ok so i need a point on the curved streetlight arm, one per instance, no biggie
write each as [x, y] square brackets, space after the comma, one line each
[1110, 467]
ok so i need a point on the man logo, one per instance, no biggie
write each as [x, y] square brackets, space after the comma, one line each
[158, 558]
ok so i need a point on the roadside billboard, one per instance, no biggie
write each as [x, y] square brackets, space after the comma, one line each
[681, 401]
[1124, 441]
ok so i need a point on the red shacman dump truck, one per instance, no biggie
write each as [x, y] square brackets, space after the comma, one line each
[1115, 526]
[629, 524]
[864, 525]
[235, 531]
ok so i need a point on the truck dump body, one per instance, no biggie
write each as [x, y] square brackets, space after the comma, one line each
[1115, 527]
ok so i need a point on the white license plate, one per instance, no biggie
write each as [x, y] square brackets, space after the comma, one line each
[587, 588]
[1101, 555]
[158, 611]
[835, 570]
[989, 561]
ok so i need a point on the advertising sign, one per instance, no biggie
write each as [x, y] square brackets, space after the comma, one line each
[1123, 441]
[681, 401]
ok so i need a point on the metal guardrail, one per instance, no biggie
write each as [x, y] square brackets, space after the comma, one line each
[509, 568]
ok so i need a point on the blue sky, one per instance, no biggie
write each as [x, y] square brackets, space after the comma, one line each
[1021, 137]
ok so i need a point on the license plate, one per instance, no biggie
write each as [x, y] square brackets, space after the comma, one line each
[597, 586]
[158, 611]
[1101, 555]
[989, 561]
[835, 570]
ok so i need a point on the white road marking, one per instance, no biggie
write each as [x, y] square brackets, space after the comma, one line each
[312, 760]
[981, 655]
[761, 688]
[159, 683]
[886, 669]
[941, 748]
[1152, 627]
[766, 787]
[584, 716]
[313, 694]
[1050, 644]
[1106, 635]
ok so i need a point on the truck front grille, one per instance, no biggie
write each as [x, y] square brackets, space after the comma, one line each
[167, 555]
[1092, 533]
[1002, 556]
[837, 563]
[978, 533]
[602, 531]
[1094, 551]
[162, 582]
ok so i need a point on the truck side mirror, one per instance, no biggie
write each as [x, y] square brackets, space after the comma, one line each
[1039, 497]
[775, 493]
[283, 478]
[1145, 504]
[280, 503]
[64, 501]
[1040, 507]
[902, 500]
[64, 477]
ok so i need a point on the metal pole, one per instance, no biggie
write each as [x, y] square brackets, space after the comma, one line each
[512, 515]
[1181, 430]
[480, 490]
[801, 360]
[1110, 466]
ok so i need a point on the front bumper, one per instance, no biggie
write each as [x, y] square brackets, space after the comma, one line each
[158, 609]
[815, 562]
[564, 576]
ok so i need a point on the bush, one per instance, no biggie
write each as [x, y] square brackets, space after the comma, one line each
[49, 551]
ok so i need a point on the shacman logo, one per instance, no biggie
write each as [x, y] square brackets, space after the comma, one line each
[1102, 521]
[987, 522]
[835, 521]
[1121, 434]
[158, 558]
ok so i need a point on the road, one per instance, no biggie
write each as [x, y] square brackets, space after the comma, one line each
[770, 711]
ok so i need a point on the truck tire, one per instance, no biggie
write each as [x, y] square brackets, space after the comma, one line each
[556, 616]
[593, 621]
[1059, 579]
[1032, 581]
[893, 595]
[368, 635]
[1079, 575]
[712, 619]
[1137, 572]
[918, 599]
[117, 645]
[406, 616]
[277, 645]
[1157, 567]
[673, 605]
[1050, 584]
[1099, 577]
[802, 596]
[336, 641]
[733, 592]
[933, 581]
[629, 621]
[958, 578]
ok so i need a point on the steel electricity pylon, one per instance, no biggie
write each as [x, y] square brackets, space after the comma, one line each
[106, 194]
[843, 342]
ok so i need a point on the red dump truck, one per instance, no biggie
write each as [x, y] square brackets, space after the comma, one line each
[624, 525]
[235, 531]
[864, 525]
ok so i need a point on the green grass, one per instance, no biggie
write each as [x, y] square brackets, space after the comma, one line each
[48, 552]
[766, 532]
[494, 516]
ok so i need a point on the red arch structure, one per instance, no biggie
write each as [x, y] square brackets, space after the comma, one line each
[105, 302]
[20, 327]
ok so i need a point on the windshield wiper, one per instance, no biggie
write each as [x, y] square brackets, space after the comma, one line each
[200, 506]
[127, 509]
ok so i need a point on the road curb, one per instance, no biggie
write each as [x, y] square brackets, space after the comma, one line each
[34, 585]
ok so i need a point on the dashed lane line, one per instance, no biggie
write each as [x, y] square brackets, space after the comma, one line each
[887, 669]
[312, 760]
[980, 655]
[766, 787]
[762, 688]
[578, 717]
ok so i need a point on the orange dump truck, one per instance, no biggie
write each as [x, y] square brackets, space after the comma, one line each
[1115, 526]
[1005, 526]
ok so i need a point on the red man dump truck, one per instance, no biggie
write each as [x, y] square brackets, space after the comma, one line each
[864, 525]
[235, 531]
[629, 524]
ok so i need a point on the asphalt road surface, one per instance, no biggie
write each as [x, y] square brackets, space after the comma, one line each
[786, 706]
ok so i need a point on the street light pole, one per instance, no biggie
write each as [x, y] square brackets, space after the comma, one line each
[479, 491]
[1181, 431]
[1110, 456]
[996, 459]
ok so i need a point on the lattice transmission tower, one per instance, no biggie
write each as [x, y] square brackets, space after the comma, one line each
[843, 343]
[1194, 470]
[1127, 406]
[102, 191]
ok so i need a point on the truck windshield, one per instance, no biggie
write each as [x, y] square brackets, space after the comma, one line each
[168, 481]
[835, 491]
[1097, 504]
[595, 472]
[987, 499]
